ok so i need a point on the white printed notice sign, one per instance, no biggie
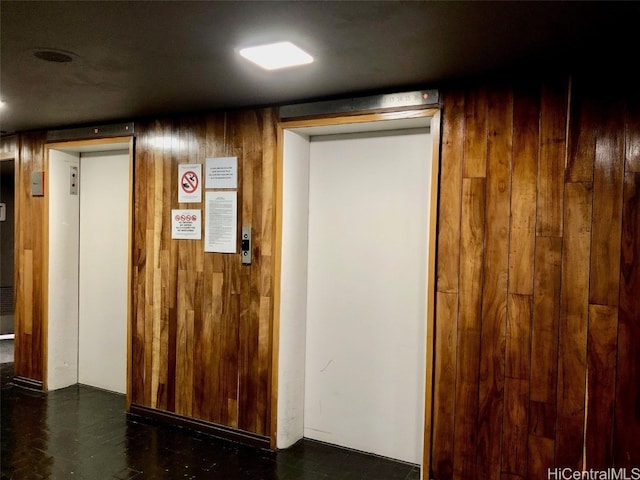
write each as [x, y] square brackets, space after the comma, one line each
[221, 216]
[222, 172]
[186, 224]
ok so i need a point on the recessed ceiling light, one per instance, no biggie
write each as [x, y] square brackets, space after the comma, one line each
[276, 55]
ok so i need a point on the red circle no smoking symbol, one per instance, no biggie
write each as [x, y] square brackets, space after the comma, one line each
[189, 182]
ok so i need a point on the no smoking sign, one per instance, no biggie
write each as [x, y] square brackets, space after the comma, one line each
[189, 183]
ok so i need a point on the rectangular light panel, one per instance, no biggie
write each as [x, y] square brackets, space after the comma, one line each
[276, 55]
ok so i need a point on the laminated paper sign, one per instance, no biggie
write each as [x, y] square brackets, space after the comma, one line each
[189, 183]
[186, 224]
[221, 221]
[222, 172]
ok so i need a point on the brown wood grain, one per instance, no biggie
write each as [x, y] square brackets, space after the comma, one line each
[448, 263]
[494, 295]
[541, 457]
[601, 386]
[627, 414]
[632, 132]
[515, 435]
[572, 346]
[583, 118]
[29, 250]
[475, 134]
[469, 328]
[546, 317]
[518, 337]
[203, 320]
[607, 207]
[526, 111]
[446, 324]
[553, 116]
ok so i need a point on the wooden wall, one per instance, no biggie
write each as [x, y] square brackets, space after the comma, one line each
[30, 283]
[537, 307]
[201, 333]
[201, 330]
[537, 356]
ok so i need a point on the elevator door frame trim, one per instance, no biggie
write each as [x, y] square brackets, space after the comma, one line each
[80, 146]
[435, 115]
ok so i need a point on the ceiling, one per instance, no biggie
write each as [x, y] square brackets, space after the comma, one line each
[134, 59]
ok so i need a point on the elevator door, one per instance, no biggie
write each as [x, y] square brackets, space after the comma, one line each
[366, 293]
[103, 269]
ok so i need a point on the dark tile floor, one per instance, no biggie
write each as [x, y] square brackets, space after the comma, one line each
[83, 433]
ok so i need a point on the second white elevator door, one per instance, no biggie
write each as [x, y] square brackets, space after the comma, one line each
[104, 239]
[366, 305]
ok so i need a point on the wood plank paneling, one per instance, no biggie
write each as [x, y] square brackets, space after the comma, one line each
[607, 206]
[601, 383]
[203, 320]
[201, 333]
[583, 118]
[516, 392]
[448, 262]
[632, 132]
[469, 329]
[445, 381]
[30, 252]
[475, 134]
[526, 111]
[567, 306]
[572, 363]
[627, 407]
[494, 294]
[553, 116]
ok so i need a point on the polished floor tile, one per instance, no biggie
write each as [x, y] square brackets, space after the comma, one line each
[83, 433]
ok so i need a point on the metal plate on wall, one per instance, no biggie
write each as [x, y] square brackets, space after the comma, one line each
[391, 101]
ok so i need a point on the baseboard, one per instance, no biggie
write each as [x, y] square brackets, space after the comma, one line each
[219, 431]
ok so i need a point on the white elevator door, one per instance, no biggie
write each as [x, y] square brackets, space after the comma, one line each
[104, 238]
[366, 305]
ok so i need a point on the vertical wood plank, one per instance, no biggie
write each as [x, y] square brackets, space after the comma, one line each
[448, 262]
[469, 328]
[515, 435]
[27, 320]
[583, 118]
[553, 116]
[601, 385]
[446, 340]
[573, 326]
[494, 295]
[526, 111]
[141, 169]
[607, 207]
[541, 456]
[632, 132]
[475, 133]
[518, 337]
[627, 412]
[516, 393]
[546, 316]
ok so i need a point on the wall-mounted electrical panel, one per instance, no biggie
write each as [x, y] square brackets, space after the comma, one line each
[37, 184]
